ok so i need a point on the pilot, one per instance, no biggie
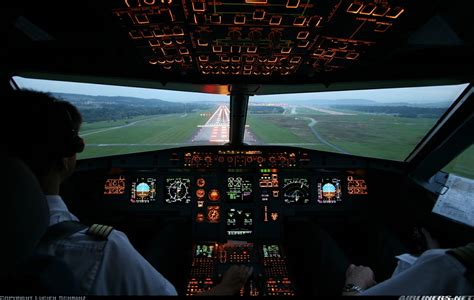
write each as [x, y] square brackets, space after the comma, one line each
[46, 139]
[435, 272]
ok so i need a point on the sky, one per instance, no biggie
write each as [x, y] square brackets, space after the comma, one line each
[417, 95]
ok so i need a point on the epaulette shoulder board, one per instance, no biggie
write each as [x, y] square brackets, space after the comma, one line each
[100, 231]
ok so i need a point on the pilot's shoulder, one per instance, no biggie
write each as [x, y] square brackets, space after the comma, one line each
[100, 231]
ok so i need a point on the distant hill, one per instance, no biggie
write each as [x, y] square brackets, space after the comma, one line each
[397, 110]
[103, 108]
[133, 101]
[365, 102]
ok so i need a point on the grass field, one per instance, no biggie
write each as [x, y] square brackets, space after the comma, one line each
[379, 136]
[150, 133]
[91, 127]
[366, 135]
[462, 165]
[284, 130]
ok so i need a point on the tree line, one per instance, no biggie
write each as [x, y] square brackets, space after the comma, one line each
[400, 111]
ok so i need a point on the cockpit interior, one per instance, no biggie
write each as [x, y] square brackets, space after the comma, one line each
[235, 119]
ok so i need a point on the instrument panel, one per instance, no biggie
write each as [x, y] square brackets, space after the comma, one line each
[236, 194]
[238, 201]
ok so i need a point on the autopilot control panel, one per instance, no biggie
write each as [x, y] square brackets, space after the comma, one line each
[270, 276]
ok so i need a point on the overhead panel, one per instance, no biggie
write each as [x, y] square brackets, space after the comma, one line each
[251, 38]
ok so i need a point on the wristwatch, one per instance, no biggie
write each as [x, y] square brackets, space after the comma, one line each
[352, 288]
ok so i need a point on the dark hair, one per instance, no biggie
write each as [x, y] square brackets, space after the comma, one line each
[42, 129]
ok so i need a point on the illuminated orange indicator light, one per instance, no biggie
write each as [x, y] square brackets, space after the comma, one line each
[368, 10]
[292, 3]
[213, 214]
[275, 20]
[239, 19]
[299, 21]
[259, 14]
[147, 34]
[302, 35]
[135, 34]
[214, 195]
[200, 193]
[295, 59]
[114, 186]
[265, 214]
[354, 8]
[202, 43]
[199, 6]
[274, 216]
[200, 217]
[382, 27]
[201, 182]
[353, 55]
[303, 44]
[216, 19]
[395, 13]
[153, 61]
[154, 43]
[142, 19]
[380, 11]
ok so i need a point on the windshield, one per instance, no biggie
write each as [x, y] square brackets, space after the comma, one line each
[380, 123]
[120, 120]
[463, 164]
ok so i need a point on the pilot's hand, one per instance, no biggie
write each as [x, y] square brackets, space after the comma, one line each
[236, 277]
[232, 281]
[361, 276]
[431, 243]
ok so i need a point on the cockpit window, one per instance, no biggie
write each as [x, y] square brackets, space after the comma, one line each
[463, 164]
[120, 120]
[380, 123]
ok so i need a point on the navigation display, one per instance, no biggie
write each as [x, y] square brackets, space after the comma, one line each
[143, 190]
[295, 191]
[239, 222]
[239, 189]
[329, 190]
[177, 190]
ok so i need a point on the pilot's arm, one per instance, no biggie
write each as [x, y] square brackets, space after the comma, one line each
[434, 273]
[124, 271]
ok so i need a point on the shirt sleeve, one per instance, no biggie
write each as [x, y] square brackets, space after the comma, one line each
[434, 273]
[124, 271]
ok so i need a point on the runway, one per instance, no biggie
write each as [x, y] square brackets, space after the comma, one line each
[216, 129]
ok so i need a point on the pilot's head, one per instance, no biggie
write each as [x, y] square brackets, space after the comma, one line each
[44, 132]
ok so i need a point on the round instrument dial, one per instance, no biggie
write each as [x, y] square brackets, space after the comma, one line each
[177, 190]
[296, 191]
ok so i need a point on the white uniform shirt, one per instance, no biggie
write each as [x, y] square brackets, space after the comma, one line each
[433, 273]
[104, 267]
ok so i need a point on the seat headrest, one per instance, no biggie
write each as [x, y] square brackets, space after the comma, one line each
[24, 212]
